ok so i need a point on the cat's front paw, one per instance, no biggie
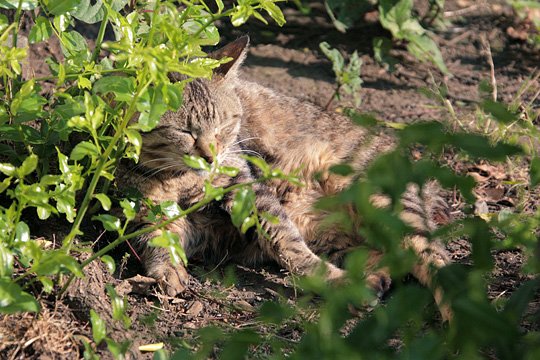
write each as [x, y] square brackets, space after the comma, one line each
[173, 280]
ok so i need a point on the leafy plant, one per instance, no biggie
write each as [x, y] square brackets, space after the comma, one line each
[397, 17]
[96, 94]
[347, 74]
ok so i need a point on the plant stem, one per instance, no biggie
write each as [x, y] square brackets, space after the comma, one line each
[52, 77]
[99, 168]
[149, 229]
[17, 20]
[334, 95]
[101, 35]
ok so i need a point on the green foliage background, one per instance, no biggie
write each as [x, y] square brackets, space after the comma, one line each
[96, 97]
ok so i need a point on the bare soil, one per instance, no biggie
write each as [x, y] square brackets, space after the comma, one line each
[288, 59]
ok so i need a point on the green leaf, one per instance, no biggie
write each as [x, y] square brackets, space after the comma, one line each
[364, 120]
[83, 83]
[482, 242]
[28, 166]
[170, 209]
[13, 4]
[196, 162]
[7, 169]
[104, 200]
[73, 44]
[5, 184]
[121, 86]
[13, 299]
[520, 299]
[242, 207]
[480, 146]
[119, 305]
[435, 136]
[134, 138]
[260, 163]
[4, 23]
[228, 170]
[499, 111]
[426, 49]
[248, 223]
[338, 63]
[99, 331]
[61, 23]
[53, 262]
[396, 16]
[219, 4]
[90, 14]
[342, 169]
[47, 283]
[241, 14]
[118, 349]
[381, 52]
[211, 192]
[272, 312]
[151, 107]
[6, 261]
[83, 149]
[173, 95]
[534, 171]
[59, 7]
[65, 204]
[110, 223]
[170, 241]
[109, 262]
[44, 211]
[393, 16]
[128, 208]
[41, 31]
[27, 104]
[274, 11]
[22, 232]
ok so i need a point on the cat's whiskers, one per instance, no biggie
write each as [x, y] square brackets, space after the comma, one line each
[168, 163]
[244, 140]
[156, 171]
[245, 151]
[228, 160]
[144, 163]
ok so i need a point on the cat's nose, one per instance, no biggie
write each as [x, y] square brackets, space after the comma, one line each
[208, 157]
[204, 151]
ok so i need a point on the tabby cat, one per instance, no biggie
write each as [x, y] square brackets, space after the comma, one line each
[238, 116]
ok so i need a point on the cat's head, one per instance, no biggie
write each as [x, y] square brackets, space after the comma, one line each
[211, 113]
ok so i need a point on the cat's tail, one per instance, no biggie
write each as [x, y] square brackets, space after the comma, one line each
[424, 210]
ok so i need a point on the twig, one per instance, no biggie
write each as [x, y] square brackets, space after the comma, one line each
[334, 95]
[460, 37]
[464, 11]
[487, 51]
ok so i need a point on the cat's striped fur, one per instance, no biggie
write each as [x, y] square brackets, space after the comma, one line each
[243, 117]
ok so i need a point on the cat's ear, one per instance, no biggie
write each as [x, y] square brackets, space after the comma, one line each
[236, 50]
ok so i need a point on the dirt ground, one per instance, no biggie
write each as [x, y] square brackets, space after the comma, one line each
[288, 59]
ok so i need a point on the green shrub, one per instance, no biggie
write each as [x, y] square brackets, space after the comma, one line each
[96, 98]
[398, 18]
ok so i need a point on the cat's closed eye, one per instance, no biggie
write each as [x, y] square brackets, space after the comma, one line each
[190, 133]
